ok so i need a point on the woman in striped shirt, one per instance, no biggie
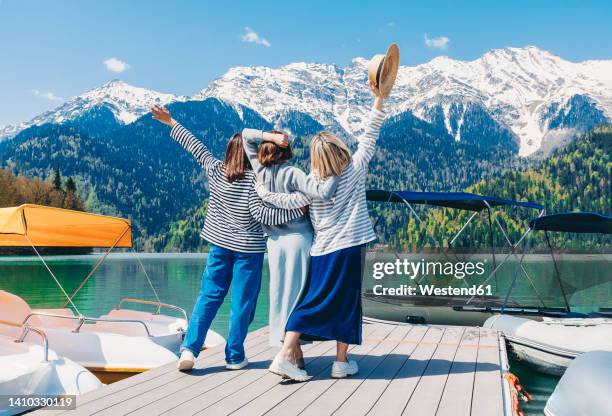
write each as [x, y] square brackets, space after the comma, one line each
[237, 243]
[331, 306]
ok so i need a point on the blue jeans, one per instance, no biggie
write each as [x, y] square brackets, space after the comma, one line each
[224, 268]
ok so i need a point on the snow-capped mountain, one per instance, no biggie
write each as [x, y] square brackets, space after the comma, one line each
[523, 99]
[532, 94]
[125, 101]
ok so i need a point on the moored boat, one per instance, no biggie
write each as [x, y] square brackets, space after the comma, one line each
[550, 344]
[32, 369]
[585, 387]
[443, 309]
[115, 345]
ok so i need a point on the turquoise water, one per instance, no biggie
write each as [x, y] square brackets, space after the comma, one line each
[177, 280]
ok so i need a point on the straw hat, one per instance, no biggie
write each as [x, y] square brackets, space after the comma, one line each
[383, 70]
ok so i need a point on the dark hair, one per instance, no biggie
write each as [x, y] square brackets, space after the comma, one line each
[236, 159]
[270, 154]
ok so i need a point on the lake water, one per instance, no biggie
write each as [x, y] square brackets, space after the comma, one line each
[177, 280]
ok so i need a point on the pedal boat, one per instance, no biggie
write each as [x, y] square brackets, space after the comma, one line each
[32, 369]
[115, 345]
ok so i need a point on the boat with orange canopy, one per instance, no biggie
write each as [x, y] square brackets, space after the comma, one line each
[115, 345]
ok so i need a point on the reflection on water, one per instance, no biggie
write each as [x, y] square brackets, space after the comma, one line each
[175, 277]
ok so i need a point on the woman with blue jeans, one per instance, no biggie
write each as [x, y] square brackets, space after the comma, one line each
[237, 243]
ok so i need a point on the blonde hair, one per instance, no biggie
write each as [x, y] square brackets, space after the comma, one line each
[329, 155]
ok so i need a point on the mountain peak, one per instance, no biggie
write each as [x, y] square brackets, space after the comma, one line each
[125, 101]
[522, 89]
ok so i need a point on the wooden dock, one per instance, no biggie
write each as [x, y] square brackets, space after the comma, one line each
[403, 369]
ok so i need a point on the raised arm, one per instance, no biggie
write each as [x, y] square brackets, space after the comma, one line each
[179, 133]
[270, 215]
[367, 143]
[253, 137]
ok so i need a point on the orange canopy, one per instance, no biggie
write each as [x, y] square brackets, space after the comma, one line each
[41, 226]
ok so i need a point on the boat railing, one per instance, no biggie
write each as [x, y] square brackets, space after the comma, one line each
[159, 305]
[83, 319]
[26, 329]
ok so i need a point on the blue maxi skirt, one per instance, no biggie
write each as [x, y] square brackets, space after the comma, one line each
[330, 308]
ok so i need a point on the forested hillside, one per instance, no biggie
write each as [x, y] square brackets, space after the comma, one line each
[56, 192]
[576, 178]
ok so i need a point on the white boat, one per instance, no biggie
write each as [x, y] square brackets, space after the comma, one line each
[585, 387]
[32, 369]
[115, 345]
[550, 345]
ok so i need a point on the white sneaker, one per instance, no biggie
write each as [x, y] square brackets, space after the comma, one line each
[286, 369]
[237, 366]
[186, 361]
[343, 369]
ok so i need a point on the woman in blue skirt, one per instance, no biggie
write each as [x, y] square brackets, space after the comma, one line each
[330, 308]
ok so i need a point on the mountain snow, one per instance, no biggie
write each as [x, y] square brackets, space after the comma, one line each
[525, 90]
[517, 86]
[126, 102]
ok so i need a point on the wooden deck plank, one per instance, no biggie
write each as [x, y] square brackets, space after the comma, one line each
[426, 396]
[225, 399]
[167, 397]
[332, 398]
[362, 400]
[308, 392]
[398, 392]
[270, 381]
[404, 369]
[461, 377]
[281, 391]
[487, 395]
[142, 383]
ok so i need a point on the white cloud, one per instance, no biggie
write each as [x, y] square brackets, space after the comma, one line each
[250, 36]
[440, 42]
[47, 95]
[116, 65]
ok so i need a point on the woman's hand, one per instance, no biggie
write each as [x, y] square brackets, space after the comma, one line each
[378, 98]
[280, 139]
[162, 115]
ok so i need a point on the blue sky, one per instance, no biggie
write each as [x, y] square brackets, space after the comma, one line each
[51, 50]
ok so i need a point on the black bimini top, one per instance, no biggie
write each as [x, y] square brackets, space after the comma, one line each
[459, 200]
[574, 222]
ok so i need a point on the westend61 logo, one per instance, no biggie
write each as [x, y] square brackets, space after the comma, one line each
[416, 271]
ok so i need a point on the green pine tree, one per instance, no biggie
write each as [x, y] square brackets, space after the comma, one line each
[57, 179]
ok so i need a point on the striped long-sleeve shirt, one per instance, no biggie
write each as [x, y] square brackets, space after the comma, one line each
[342, 221]
[235, 211]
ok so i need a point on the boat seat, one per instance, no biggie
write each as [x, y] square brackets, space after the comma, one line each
[157, 324]
[15, 309]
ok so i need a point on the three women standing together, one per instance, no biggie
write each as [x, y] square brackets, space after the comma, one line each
[315, 260]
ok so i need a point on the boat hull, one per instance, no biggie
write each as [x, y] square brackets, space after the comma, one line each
[585, 387]
[543, 358]
[551, 345]
[25, 373]
[422, 310]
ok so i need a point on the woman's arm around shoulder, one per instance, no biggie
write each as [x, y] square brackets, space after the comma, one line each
[270, 215]
[311, 186]
[293, 200]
